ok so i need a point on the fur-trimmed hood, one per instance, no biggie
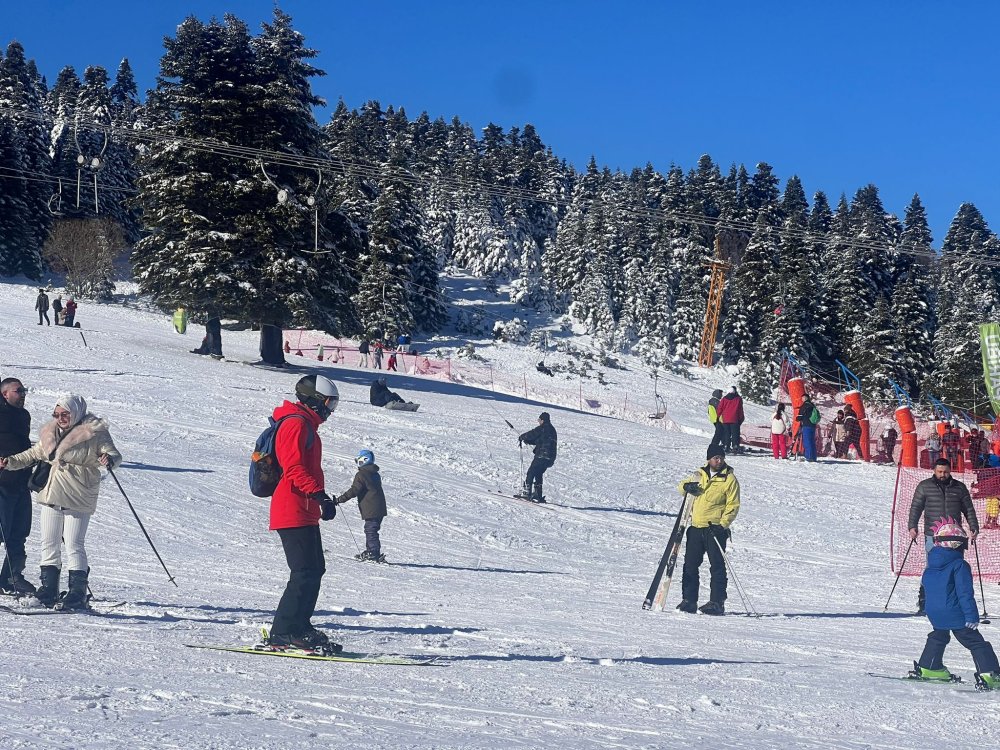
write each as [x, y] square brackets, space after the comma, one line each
[83, 431]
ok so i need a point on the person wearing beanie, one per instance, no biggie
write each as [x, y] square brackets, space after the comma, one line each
[716, 493]
[719, 435]
[545, 440]
[68, 457]
[730, 411]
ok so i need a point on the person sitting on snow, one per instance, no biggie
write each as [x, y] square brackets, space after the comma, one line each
[380, 395]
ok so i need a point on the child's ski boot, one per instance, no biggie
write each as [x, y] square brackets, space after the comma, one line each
[988, 681]
[932, 675]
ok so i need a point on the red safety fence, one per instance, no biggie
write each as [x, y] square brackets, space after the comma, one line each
[984, 486]
[620, 404]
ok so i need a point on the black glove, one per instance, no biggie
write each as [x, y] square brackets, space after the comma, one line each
[692, 488]
[329, 510]
[720, 531]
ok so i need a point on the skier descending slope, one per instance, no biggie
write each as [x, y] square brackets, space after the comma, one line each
[545, 440]
[297, 505]
[951, 608]
[717, 501]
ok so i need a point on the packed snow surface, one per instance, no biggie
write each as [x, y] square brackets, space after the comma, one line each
[534, 611]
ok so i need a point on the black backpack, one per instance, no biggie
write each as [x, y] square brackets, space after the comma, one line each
[265, 472]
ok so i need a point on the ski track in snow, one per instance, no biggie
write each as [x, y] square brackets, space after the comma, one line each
[534, 612]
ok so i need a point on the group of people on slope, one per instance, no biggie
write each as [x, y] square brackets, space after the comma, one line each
[725, 413]
[949, 442]
[375, 347]
[65, 315]
[63, 468]
[946, 593]
[845, 432]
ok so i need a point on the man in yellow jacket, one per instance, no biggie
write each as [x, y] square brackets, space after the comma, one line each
[716, 494]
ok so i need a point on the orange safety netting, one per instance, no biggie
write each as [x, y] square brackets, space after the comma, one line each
[984, 486]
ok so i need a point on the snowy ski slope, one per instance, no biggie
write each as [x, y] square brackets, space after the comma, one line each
[534, 612]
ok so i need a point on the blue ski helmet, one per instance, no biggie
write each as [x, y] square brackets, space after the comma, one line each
[364, 458]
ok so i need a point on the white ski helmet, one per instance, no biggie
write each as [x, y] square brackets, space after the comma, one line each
[319, 394]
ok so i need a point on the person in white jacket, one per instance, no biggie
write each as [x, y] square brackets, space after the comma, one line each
[73, 446]
[779, 432]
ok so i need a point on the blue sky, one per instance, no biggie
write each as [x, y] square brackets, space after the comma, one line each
[901, 94]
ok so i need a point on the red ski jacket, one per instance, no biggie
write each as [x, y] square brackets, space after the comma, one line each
[302, 474]
[730, 409]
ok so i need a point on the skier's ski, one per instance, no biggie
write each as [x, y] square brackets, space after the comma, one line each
[664, 558]
[53, 611]
[676, 539]
[262, 649]
[523, 499]
[954, 682]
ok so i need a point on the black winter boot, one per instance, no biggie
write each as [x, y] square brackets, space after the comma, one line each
[76, 597]
[48, 592]
[921, 598]
[536, 493]
[15, 583]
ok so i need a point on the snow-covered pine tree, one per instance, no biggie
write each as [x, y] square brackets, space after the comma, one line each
[755, 287]
[912, 311]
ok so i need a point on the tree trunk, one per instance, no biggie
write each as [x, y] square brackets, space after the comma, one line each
[271, 345]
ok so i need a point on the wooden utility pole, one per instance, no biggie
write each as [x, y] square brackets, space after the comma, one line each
[715, 289]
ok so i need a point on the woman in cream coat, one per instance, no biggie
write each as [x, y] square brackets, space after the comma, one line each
[75, 444]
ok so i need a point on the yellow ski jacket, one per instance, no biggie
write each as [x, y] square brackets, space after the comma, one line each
[719, 501]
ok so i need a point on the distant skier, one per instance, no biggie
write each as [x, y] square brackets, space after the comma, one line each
[808, 418]
[839, 435]
[951, 608]
[779, 432]
[545, 440]
[951, 445]
[363, 349]
[298, 504]
[390, 363]
[367, 488]
[852, 432]
[933, 447]
[937, 497]
[57, 308]
[730, 412]
[889, 442]
[42, 306]
[377, 355]
[719, 435]
[717, 502]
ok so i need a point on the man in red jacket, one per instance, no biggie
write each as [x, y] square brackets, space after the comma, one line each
[730, 411]
[297, 505]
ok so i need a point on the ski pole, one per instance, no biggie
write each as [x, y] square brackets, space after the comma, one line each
[351, 531]
[747, 604]
[501, 415]
[902, 565]
[137, 519]
[979, 571]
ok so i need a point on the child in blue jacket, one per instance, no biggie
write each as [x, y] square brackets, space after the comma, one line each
[951, 608]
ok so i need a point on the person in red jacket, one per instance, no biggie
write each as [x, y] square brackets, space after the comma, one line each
[730, 411]
[297, 505]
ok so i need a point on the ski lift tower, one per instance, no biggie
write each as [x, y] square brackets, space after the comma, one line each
[715, 289]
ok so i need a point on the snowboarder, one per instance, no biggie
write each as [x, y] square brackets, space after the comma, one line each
[73, 446]
[719, 435]
[363, 350]
[15, 499]
[69, 311]
[808, 418]
[937, 497]
[367, 488]
[380, 395]
[779, 432]
[57, 308]
[716, 504]
[298, 504]
[951, 608]
[545, 440]
[42, 306]
[730, 412]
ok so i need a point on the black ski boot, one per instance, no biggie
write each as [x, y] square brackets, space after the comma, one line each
[536, 494]
[48, 592]
[525, 493]
[15, 584]
[712, 608]
[688, 606]
[76, 597]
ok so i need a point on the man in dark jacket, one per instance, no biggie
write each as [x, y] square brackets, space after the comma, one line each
[808, 418]
[367, 488]
[42, 306]
[938, 497]
[545, 441]
[380, 395]
[15, 500]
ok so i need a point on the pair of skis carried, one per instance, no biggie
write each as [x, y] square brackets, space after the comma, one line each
[656, 597]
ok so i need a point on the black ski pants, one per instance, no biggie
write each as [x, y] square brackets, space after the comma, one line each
[535, 472]
[372, 543]
[44, 314]
[304, 553]
[720, 436]
[15, 523]
[983, 655]
[700, 541]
